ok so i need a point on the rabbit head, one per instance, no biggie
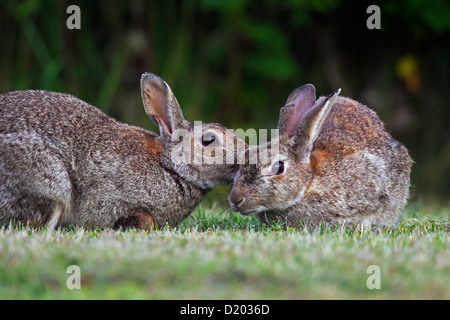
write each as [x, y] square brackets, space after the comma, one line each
[202, 153]
[279, 181]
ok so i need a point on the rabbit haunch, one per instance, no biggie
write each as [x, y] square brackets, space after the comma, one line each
[64, 162]
[339, 166]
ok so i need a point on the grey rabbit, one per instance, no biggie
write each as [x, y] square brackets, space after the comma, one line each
[64, 162]
[335, 165]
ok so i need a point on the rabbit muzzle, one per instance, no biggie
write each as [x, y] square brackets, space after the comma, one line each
[236, 201]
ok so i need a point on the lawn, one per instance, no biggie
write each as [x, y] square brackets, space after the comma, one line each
[217, 254]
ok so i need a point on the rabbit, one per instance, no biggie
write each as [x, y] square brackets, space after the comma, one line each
[334, 164]
[64, 162]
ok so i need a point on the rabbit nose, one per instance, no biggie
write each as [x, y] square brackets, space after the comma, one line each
[235, 201]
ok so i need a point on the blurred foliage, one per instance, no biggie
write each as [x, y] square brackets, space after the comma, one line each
[235, 62]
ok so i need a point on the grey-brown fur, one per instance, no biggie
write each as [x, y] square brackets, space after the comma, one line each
[342, 167]
[64, 162]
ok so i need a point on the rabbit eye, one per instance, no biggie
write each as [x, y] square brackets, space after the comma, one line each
[280, 168]
[212, 139]
[207, 139]
[277, 168]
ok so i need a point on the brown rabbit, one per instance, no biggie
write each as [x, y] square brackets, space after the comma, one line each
[64, 162]
[336, 165]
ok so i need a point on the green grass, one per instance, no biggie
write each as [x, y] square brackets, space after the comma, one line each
[215, 255]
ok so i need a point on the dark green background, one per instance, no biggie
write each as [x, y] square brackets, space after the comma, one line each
[235, 62]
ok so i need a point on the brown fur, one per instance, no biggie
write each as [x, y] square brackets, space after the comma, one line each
[139, 220]
[343, 168]
[64, 162]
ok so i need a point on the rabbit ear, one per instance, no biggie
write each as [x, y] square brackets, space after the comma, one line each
[298, 103]
[160, 103]
[312, 122]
